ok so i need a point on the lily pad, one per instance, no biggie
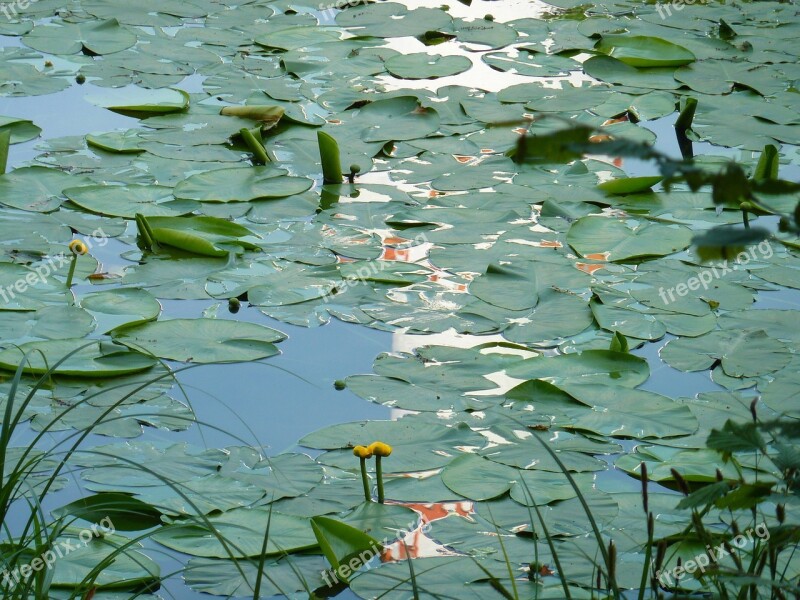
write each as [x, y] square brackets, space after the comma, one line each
[201, 340]
[618, 241]
[87, 359]
[644, 51]
[241, 185]
[126, 201]
[426, 66]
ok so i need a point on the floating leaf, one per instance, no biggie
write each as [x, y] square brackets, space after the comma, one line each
[201, 340]
[644, 51]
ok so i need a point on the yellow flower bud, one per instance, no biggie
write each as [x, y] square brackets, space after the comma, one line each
[362, 452]
[380, 449]
[78, 247]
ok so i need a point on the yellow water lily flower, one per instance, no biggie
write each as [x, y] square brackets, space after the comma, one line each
[78, 247]
[362, 452]
[380, 449]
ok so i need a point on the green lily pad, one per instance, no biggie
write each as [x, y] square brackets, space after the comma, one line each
[96, 37]
[36, 189]
[126, 201]
[89, 359]
[201, 340]
[241, 185]
[206, 236]
[644, 51]
[243, 530]
[618, 241]
[426, 66]
[590, 366]
[629, 185]
[21, 130]
[611, 70]
[743, 353]
[141, 102]
[114, 308]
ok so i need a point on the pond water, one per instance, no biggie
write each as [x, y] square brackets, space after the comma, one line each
[456, 345]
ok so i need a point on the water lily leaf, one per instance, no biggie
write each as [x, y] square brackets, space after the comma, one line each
[138, 101]
[530, 63]
[644, 51]
[23, 79]
[94, 37]
[206, 236]
[283, 575]
[36, 189]
[417, 444]
[477, 478]
[618, 241]
[557, 315]
[629, 185]
[627, 412]
[562, 518]
[781, 394]
[126, 201]
[52, 322]
[269, 115]
[611, 70]
[420, 65]
[743, 353]
[395, 119]
[777, 323]
[97, 359]
[590, 366]
[567, 98]
[290, 287]
[507, 286]
[241, 185]
[21, 130]
[628, 322]
[438, 577]
[201, 340]
[528, 453]
[124, 511]
[243, 530]
[123, 142]
[480, 538]
[720, 76]
[542, 487]
[484, 32]
[341, 542]
[127, 567]
[114, 308]
[392, 19]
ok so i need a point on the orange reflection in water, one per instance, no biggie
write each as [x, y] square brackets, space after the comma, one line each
[589, 267]
[416, 544]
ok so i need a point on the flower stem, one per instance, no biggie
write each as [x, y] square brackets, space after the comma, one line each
[379, 475]
[365, 480]
[71, 272]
